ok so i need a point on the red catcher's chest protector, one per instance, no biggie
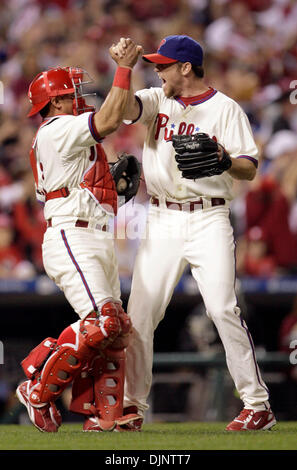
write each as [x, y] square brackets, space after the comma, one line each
[98, 180]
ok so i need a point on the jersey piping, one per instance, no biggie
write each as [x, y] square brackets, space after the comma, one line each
[195, 100]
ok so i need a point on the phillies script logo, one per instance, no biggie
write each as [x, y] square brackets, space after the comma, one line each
[182, 128]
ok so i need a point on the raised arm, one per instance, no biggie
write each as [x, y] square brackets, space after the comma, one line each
[112, 112]
[117, 52]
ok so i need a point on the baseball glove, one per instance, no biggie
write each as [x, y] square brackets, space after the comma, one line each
[198, 156]
[126, 172]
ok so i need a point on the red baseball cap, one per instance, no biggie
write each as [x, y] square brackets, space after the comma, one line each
[177, 48]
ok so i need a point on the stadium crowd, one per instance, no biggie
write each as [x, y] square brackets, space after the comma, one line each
[250, 54]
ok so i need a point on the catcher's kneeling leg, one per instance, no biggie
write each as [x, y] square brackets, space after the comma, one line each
[98, 391]
[72, 350]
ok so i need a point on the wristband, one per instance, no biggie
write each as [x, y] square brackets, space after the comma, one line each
[122, 78]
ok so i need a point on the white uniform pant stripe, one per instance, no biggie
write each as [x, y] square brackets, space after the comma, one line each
[254, 354]
[93, 277]
[72, 257]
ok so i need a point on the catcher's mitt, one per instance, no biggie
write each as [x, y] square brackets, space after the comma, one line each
[197, 156]
[126, 172]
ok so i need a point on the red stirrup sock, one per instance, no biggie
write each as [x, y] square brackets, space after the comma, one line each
[67, 336]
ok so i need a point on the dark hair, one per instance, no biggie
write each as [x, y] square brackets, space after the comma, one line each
[198, 70]
[44, 111]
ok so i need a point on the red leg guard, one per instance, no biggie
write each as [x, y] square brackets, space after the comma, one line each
[98, 390]
[82, 400]
[100, 331]
[86, 389]
[122, 340]
[125, 320]
[34, 362]
[73, 350]
[58, 372]
[109, 375]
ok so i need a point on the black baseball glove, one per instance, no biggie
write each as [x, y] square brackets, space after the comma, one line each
[198, 156]
[126, 172]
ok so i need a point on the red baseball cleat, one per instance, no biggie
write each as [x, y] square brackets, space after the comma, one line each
[95, 424]
[47, 417]
[130, 421]
[250, 420]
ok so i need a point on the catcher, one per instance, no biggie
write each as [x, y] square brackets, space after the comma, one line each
[198, 141]
[73, 180]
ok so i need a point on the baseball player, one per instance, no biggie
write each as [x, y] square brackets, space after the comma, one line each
[72, 178]
[198, 140]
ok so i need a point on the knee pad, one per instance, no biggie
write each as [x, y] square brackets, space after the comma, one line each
[125, 320]
[100, 330]
[122, 340]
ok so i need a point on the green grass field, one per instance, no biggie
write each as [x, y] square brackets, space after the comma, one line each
[157, 436]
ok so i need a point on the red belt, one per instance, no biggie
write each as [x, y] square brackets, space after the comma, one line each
[189, 206]
[63, 192]
[82, 224]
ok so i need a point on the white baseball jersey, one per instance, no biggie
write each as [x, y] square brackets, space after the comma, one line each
[63, 154]
[81, 261]
[213, 113]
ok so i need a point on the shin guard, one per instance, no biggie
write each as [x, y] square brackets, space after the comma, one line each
[58, 372]
[75, 346]
[98, 390]
[109, 375]
[83, 398]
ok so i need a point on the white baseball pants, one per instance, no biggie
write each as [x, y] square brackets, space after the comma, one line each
[82, 263]
[204, 240]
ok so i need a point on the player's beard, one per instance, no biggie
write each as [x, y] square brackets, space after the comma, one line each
[172, 81]
[169, 90]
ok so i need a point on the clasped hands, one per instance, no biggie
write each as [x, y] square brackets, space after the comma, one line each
[125, 53]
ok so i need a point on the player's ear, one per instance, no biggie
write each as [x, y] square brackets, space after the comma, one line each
[186, 68]
[56, 102]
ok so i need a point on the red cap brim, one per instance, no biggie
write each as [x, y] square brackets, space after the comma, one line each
[158, 59]
[37, 107]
